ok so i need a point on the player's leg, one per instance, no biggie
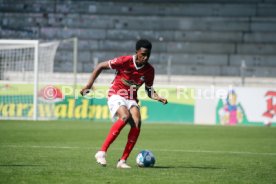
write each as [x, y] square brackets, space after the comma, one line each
[117, 106]
[134, 132]
[135, 123]
[116, 128]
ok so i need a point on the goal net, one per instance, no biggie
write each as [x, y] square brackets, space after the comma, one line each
[26, 88]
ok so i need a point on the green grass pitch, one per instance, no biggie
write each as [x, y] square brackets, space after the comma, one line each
[63, 152]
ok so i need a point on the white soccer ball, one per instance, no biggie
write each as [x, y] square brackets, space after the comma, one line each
[145, 158]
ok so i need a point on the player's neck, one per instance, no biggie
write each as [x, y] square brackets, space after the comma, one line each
[138, 64]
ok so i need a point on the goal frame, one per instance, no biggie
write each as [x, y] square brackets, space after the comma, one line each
[35, 44]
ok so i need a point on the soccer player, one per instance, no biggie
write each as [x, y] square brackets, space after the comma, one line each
[131, 72]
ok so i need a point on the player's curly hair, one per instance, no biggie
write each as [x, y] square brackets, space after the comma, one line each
[143, 43]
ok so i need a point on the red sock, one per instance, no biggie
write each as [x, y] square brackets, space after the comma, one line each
[113, 134]
[132, 139]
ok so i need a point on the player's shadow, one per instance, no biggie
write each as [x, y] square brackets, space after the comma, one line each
[162, 167]
[186, 167]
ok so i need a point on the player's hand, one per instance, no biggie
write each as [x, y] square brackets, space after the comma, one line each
[163, 100]
[84, 91]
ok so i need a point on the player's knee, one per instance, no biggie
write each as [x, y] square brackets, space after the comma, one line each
[138, 126]
[137, 123]
[125, 117]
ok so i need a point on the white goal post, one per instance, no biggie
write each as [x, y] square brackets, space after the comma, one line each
[25, 67]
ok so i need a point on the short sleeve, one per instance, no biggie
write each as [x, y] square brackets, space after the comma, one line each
[117, 63]
[149, 78]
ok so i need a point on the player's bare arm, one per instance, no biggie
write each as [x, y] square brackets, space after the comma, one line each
[96, 72]
[153, 95]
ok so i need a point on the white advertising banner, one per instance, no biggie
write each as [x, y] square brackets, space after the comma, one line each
[240, 105]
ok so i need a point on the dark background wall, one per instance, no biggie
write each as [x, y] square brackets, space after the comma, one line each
[202, 37]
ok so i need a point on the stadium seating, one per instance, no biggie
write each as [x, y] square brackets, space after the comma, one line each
[199, 37]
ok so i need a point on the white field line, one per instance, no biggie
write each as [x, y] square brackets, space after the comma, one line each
[162, 150]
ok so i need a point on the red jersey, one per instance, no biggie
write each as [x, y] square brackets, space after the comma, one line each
[129, 77]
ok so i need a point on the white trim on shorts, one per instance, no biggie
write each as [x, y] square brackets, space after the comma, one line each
[115, 101]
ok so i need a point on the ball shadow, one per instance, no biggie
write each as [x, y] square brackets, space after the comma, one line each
[186, 167]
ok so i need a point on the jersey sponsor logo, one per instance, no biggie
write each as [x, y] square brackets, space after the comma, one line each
[130, 83]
